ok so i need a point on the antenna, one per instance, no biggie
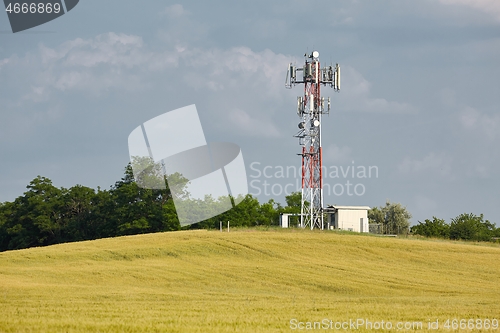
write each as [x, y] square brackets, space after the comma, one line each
[310, 108]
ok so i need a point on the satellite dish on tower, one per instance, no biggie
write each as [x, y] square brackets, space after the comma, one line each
[315, 54]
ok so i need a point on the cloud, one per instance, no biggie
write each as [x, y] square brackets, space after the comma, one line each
[244, 87]
[263, 71]
[432, 164]
[491, 7]
[110, 48]
[252, 126]
[95, 65]
[480, 124]
[180, 28]
[334, 154]
[269, 28]
[233, 83]
[175, 10]
[356, 96]
[3, 62]
[472, 120]
[481, 171]
[469, 118]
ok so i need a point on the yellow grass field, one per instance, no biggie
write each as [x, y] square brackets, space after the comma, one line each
[251, 281]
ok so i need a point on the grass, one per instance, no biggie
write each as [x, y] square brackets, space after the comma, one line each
[247, 280]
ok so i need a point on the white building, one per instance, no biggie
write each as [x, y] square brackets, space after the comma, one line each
[285, 220]
[350, 218]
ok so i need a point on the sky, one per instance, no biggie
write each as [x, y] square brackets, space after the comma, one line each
[418, 105]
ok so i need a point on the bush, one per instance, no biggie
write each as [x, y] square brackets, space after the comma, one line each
[393, 217]
[472, 227]
[435, 228]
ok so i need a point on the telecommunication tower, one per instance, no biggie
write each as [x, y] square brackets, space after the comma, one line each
[310, 108]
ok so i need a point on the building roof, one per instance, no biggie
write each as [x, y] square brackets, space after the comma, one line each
[337, 207]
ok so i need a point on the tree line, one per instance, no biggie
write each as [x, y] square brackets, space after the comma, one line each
[46, 215]
[393, 218]
[465, 226]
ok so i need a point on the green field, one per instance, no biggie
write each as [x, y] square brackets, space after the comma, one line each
[246, 281]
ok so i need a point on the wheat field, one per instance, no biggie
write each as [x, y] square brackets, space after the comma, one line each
[250, 280]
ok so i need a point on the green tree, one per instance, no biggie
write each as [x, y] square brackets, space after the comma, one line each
[432, 228]
[101, 221]
[244, 214]
[293, 203]
[269, 213]
[471, 227]
[376, 215]
[393, 216]
[397, 219]
[5, 218]
[35, 218]
[77, 211]
[140, 210]
[249, 212]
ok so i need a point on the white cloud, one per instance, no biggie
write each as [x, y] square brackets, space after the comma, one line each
[356, 96]
[180, 28]
[109, 48]
[3, 62]
[94, 65]
[469, 118]
[175, 10]
[229, 78]
[262, 72]
[252, 126]
[491, 7]
[333, 154]
[431, 164]
[83, 66]
[481, 171]
[479, 123]
[269, 28]
[232, 77]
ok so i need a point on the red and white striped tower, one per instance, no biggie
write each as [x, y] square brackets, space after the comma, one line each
[310, 108]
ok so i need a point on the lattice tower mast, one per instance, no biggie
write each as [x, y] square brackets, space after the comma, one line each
[310, 108]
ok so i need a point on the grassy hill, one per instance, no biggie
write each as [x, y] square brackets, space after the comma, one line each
[246, 281]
